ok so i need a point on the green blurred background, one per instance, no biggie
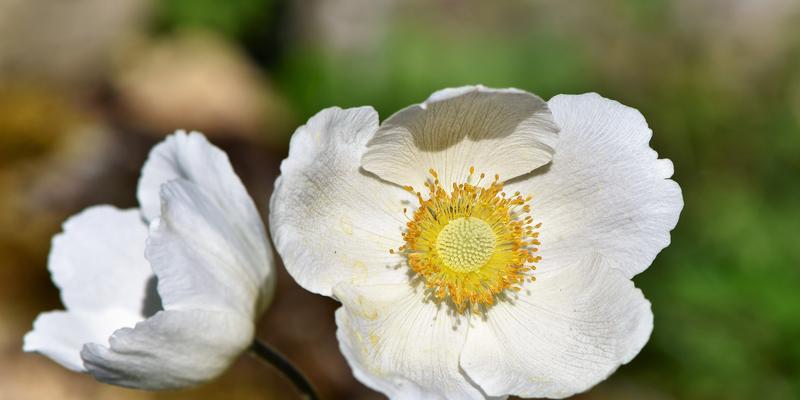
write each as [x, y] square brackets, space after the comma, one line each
[87, 86]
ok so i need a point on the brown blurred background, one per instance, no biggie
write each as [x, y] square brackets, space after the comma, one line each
[88, 86]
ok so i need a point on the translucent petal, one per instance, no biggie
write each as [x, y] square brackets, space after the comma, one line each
[559, 336]
[332, 221]
[498, 131]
[172, 349]
[401, 344]
[605, 192]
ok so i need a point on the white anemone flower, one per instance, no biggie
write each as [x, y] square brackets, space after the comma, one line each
[206, 251]
[482, 243]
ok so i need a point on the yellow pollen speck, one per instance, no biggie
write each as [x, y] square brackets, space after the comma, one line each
[346, 225]
[471, 243]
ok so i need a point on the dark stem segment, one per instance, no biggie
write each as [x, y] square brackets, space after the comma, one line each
[277, 360]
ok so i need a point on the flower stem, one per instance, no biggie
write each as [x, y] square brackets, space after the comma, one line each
[271, 356]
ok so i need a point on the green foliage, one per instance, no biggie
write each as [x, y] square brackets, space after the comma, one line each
[232, 18]
[725, 297]
[412, 64]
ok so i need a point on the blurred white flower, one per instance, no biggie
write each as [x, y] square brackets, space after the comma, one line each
[430, 227]
[206, 250]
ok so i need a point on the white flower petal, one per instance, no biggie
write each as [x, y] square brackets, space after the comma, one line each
[98, 261]
[172, 349]
[331, 221]
[605, 191]
[562, 335]
[206, 254]
[400, 344]
[498, 131]
[61, 335]
[191, 157]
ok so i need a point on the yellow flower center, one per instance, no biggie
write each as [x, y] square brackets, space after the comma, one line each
[472, 243]
[465, 244]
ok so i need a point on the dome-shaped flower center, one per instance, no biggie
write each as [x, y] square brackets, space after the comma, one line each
[465, 244]
[472, 243]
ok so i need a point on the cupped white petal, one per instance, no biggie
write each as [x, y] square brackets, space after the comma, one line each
[401, 344]
[98, 260]
[172, 349]
[206, 254]
[560, 335]
[60, 335]
[508, 132]
[98, 264]
[223, 211]
[191, 157]
[332, 221]
[606, 191]
[210, 260]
